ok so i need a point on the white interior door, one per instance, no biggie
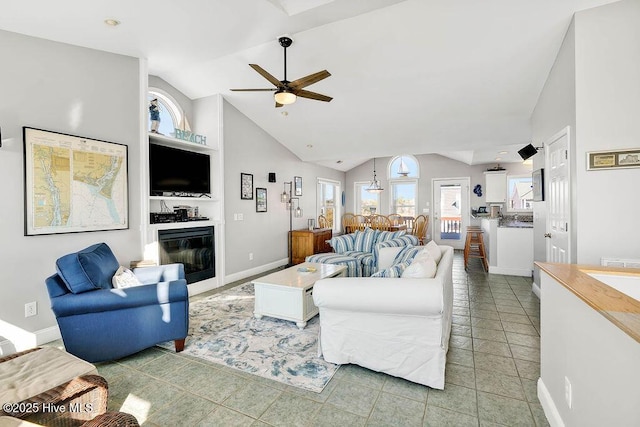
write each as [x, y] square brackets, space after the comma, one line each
[558, 177]
[450, 211]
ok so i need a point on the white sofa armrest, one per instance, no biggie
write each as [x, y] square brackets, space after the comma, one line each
[421, 297]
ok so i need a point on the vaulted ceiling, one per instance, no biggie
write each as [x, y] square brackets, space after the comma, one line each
[455, 77]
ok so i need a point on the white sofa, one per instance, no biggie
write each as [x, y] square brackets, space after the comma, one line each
[398, 326]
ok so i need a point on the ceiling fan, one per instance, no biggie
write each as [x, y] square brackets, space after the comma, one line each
[286, 92]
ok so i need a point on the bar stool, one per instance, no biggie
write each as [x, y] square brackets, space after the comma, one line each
[474, 247]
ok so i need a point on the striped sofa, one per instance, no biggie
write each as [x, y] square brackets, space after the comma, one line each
[359, 251]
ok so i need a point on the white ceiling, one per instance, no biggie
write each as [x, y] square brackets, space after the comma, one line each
[454, 77]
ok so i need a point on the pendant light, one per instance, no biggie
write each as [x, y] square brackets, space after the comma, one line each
[374, 187]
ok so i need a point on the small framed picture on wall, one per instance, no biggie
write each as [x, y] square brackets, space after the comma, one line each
[297, 185]
[261, 199]
[246, 186]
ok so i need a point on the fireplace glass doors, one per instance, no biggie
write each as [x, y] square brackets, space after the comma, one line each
[192, 247]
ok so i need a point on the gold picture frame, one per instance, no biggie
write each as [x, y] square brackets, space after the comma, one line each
[614, 159]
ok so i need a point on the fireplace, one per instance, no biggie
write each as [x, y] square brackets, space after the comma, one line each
[192, 247]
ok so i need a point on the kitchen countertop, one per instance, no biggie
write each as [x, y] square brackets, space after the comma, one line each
[515, 224]
[622, 310]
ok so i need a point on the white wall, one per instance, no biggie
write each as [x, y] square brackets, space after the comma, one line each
[67, 89]
[249, 149]
[598, 358]
[607, 114]
[555, 109]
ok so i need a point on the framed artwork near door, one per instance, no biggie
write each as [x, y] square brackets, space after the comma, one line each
[537, 177]
[616, 159]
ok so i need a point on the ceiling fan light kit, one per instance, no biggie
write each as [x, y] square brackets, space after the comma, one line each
[284, 97]
[287, 92]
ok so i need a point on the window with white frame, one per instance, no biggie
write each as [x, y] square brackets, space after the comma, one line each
[519, 193]
[403, 173]
[366, 203]
[171, 115]
[329, 201]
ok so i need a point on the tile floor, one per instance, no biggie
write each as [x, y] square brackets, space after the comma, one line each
[492, 369]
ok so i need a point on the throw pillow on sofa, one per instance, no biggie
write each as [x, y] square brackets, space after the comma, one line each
[383, 236]
[407, 254]
[365, 240]
[342, 244]
[423, 266]
[407, 239]
[434, 250]
[393, 271]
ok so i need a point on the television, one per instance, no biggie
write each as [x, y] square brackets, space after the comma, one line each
[179, 172]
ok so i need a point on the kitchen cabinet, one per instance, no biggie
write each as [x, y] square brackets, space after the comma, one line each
[495, 190]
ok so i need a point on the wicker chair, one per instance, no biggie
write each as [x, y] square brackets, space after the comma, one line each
[347, 221]
[84, 400]
[420, 227]
[380, 222]
[396, 219]
[323, 222]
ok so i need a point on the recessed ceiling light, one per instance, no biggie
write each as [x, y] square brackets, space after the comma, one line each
[112, 22]
[503, 152]
[498, 158]
[309, 146]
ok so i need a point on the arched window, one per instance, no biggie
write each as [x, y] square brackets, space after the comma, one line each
[171, 115]
[403, 174]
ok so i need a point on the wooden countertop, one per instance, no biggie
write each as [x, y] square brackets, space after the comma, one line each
[622, 310]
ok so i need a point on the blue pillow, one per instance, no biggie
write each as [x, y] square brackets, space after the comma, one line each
[407, 254]
[88, 269]
[405, 240]
[393, 271]
[342, 244]
[364, 240]
[390, 235]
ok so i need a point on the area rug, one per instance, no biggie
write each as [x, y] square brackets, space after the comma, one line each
[222, 329]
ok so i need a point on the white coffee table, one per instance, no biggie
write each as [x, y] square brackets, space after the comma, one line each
[288, 294]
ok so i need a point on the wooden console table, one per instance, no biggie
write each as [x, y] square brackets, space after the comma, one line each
[309, 242]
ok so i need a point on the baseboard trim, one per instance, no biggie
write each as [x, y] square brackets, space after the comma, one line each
[253, 271]
[18, 339]
[549, 407]
[510, 271]
[536, 289]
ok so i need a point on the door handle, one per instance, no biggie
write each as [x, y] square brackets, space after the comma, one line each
[547, 235]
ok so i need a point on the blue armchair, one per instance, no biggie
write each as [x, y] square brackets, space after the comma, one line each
[100, 323]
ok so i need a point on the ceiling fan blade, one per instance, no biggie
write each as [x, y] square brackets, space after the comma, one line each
[254, 90]
[278, 105]
[266, 75]
[309, 80]
[312, 95]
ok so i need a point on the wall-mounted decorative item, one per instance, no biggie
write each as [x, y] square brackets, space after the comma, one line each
[261, 199]
[246, 186]
[272, 177]
[615, 159]
[297, 185]
[477, 190]
[537, 178]
[73, 184]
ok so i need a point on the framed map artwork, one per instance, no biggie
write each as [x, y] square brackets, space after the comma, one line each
[73, 184]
